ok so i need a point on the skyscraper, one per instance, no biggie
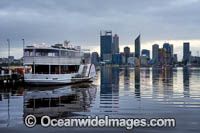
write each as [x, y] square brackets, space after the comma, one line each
[126, 53]
[175, 58]
[106, 43]
[137, 47]
[166, 47]
[155, 49]
[115, 48]
[186, 51]
[161, 56]
[146, 53]
[172, 49]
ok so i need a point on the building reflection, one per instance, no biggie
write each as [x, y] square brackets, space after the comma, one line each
[137, 82]
[127, 79]
[146, 73]
[167, 75]
[167, 80]
[186, 82]
[155, 75]
[109, 93]
[10, 105]
[58, 102]
[155, 80]
[162, 81]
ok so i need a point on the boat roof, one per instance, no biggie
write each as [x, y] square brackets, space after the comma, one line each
[52, 48]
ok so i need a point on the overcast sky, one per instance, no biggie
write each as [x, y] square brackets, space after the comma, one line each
[80, 21]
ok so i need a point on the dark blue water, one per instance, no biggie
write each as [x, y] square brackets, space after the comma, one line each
[117, 92]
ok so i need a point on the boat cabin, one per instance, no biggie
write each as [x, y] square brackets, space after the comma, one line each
[52, 60]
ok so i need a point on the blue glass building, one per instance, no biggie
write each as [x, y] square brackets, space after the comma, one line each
[186, 51]
[116, 58]
[106, 43]
[146, 53]
[137, 47]
[155, 49]
[167, 47]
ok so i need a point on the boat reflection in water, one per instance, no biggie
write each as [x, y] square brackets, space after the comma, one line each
[58, 102]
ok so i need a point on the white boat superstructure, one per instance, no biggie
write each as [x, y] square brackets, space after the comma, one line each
[56, 65]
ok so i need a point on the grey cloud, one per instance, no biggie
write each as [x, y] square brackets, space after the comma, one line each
[81, 20]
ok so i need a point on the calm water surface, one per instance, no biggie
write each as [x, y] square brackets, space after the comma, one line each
[117, 92]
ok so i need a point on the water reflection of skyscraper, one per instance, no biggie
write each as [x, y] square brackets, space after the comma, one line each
[186, 82]
[155, 74]
[109, 93]
[167, 76]
[58, 101]
[155, 80]
[127, 79]
[126, 73]
[162, 81]
[146, 73]
[137, 82]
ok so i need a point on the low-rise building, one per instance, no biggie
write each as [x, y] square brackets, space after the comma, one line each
[131, 60]
[143, 60]
[95, 58]
[107, 58]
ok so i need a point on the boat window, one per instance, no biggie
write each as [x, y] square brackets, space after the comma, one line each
[64, 53]
[77, 54]
[69, 69]
[55, 53]
[38, 52]
[71, 53]
[46, 52]
[41, 69]
[53, 69]
[28, 52]
[50, 53]
[64, 69]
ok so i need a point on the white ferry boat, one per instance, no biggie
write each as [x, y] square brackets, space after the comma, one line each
[56, 65]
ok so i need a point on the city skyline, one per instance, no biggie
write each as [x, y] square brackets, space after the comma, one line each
[178, 47]
[173, 21]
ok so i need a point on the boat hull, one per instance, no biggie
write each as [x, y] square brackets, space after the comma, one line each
[56, 82]
[61, 79]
